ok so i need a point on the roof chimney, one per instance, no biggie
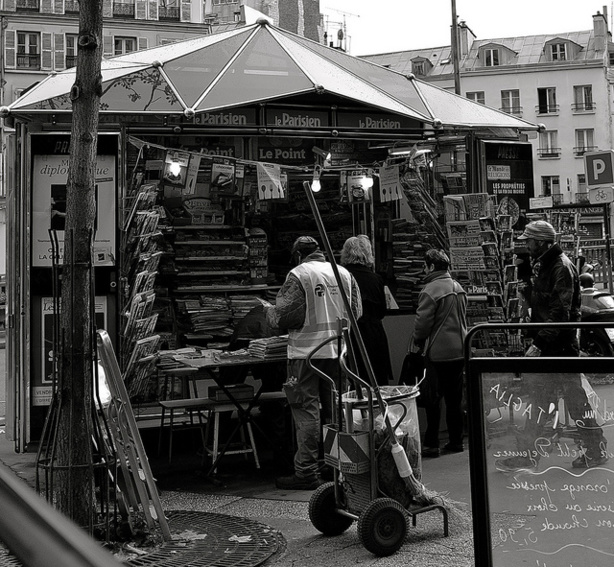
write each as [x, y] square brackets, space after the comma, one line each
[465, 39]
[600, 29]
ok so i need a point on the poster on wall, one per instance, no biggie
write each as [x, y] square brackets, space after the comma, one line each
[49, 177]
[509, 177]
[42, 390]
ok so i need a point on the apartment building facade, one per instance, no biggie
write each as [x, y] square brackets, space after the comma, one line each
[563, 81]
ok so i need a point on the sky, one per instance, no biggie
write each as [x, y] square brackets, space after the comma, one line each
[381, 26]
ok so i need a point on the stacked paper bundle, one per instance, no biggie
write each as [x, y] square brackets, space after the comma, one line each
[271, 347]
[241, 305]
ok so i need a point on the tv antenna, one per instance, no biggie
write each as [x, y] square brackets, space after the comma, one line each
[343, 39]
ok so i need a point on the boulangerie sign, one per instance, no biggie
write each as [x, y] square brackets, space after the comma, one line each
[269, 181]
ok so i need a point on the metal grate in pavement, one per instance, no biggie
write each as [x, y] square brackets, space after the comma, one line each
[202, 539]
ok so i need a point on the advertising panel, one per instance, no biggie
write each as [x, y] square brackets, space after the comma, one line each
[42, 384]
[509, 177]
[49, 177]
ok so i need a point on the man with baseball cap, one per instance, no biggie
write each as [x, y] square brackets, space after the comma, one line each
[308, 306]
[555, 297]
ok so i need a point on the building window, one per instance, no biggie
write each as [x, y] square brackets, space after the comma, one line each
[550, 185]
[558, 51]
[582, 187]
[123, 45]
[476, 96]
[417, 68]
[510, 101]
[219, 2]
[168, 10]
[585, 141]
[491, 57]
[583, 98]
[548, 145]
[546, 99]
[28, 50]
[71, 50]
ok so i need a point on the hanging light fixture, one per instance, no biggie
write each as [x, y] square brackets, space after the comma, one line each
[174, 167]
[316, 186]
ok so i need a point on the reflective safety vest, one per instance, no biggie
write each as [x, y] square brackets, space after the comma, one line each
[324, 307]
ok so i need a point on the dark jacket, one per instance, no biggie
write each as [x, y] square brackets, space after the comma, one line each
[371, 328]
[555, 297]
[441, 318]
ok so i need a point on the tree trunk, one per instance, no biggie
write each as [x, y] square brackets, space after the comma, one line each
[73, 484]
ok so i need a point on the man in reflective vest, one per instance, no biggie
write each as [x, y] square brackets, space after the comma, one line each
[308, 306]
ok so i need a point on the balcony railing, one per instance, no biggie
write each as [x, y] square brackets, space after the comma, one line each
[168, 13]
[582, 198]
[28, 4]
[548, 152]
[28, 61]
[583, 107]
[547, 109]
[515, 110]
[581, 150]
[557, 199]
[123, 10]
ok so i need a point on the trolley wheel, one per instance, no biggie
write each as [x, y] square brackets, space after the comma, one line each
[382, 526]
[323, 511]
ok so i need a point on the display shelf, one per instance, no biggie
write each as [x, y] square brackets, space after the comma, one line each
[226, 288]
[211, 242]
[209, 273]
[210, 258]
[178, 227]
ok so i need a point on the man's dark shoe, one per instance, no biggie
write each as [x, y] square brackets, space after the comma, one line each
[294, 482]
[516, 464]
[430, 452]
[587, 461]
[327, 473]
[454, 448]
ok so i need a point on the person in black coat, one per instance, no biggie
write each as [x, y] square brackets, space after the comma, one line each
[357, 258]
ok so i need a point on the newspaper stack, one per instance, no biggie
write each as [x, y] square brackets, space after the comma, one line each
[271, 347]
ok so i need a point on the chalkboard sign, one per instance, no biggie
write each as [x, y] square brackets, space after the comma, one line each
[547, 466]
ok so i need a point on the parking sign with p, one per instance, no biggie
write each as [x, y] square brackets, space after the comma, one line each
[599, 168]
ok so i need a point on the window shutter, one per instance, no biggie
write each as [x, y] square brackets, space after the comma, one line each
[10, 40]
[46, 51]
[153, 10]
[141, 9]
[46, 6]
[107, 44]
[60, 51]
[107, 8]
[186, 11]
[10, 5]
[143, 43]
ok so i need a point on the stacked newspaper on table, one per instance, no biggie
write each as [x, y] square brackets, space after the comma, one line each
[271, 347]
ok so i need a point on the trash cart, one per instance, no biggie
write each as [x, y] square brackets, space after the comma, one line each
[374, 449]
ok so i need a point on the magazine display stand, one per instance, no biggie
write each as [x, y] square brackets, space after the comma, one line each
[482, 258]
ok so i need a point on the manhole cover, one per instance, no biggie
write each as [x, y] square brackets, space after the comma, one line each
[201, 539]
[205, 539]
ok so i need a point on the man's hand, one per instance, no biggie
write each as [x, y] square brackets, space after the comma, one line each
[533, 351]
